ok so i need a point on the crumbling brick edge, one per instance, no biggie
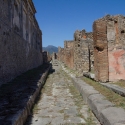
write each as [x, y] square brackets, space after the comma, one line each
[21, 118]
[105, 111]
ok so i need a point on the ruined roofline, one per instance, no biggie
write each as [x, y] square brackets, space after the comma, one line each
[60, 47]
[109, 17]
[69, 41]
[82, 31]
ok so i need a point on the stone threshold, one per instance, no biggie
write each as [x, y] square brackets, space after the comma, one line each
[105, 111]
[18, 96]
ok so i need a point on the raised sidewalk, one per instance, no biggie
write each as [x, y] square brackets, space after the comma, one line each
[106, 112]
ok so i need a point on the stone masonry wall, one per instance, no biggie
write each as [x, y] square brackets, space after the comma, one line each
[116, 47]
[61, 54]
[78, 53]
[83, 51]
[109, 49]
[69, 53]
[100, 51]
[17, 54]
[54, 56]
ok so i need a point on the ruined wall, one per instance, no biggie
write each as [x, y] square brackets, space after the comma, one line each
[100, 51]
[46, 57]
[17, 54]
[49, 57]
[54, 56]
[83, 51]
[61, 54]
[82, 35]
[78, 53]
[116, 47]
[69, 53]
[109, 50]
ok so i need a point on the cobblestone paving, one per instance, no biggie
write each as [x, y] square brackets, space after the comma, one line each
[60, 103]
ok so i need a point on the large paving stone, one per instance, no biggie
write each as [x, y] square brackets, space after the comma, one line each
[58, 120]
[71, 111]
[75, 120]
[112, 116]
[41, 121]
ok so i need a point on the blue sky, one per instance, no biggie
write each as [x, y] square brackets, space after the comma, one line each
[58, 19]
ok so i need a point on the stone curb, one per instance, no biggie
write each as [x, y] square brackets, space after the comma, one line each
[22, 116]
[117, 89]
[104, 110]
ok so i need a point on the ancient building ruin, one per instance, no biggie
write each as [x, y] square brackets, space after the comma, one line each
[109, 48]
[69, 53]
[78, 53]
[83, 51]
[46, 57]
[20, 38]
[54, 56]
[61, 54]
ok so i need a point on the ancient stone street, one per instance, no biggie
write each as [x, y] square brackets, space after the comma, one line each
[60, 103]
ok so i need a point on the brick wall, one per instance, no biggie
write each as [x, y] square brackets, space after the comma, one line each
[69, 53]
[116, 47]
[109, 48]
[78, 53]
[61, 54]
[100, 50]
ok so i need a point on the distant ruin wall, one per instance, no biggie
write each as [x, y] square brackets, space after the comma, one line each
[83, 51]
[69, 53]
[61, 54]
[54, 56]
[81, 56]
[78, 53]
[17, 54]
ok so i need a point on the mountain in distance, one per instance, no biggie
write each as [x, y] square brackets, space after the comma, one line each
[50, 49]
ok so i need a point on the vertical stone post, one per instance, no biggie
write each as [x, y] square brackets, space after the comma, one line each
[100, 50]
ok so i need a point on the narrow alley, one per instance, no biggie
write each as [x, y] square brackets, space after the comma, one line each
[60, 103]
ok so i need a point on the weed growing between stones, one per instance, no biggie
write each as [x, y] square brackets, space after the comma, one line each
[120, 83]
[78, 100]
[109, 94]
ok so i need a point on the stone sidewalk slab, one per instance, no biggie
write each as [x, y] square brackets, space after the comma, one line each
[117, 89]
